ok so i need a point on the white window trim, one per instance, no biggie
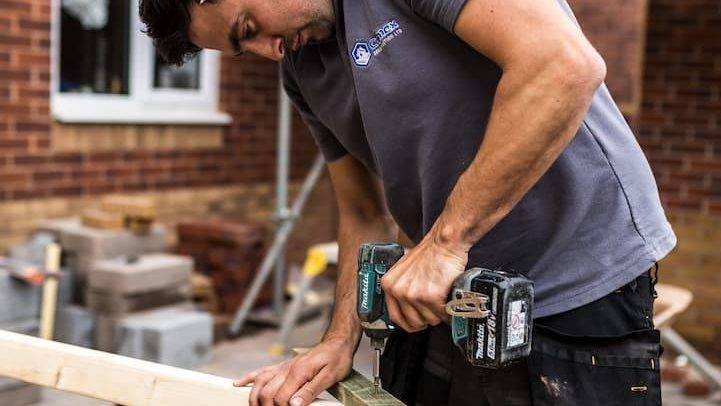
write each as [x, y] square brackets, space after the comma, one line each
[144, 104]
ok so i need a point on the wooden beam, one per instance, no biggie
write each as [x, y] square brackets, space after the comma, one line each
[114, 378]
[357, 390]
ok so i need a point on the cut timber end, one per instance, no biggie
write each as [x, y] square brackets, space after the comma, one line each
[357, 390]
[111, 377]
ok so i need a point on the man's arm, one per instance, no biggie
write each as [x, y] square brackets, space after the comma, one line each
[550, 73]
[363, 217]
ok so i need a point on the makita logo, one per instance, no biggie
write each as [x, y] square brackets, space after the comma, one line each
[365, 293]
[480, 337]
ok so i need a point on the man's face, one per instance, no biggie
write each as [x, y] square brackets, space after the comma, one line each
[264, 27]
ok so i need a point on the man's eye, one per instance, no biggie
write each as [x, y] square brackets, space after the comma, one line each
[248, 32]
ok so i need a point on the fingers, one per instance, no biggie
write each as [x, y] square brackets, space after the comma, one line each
[300, 374]
[322, 381]
[269, 390]
[411, 308]
[429, 315]
[258, 386]
[249, 377]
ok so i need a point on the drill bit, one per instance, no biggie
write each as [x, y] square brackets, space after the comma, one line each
[377, 344]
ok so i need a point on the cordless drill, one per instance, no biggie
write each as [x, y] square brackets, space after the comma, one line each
[374, 260]
[491, 310]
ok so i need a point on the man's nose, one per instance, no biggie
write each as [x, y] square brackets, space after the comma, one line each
[267, 47]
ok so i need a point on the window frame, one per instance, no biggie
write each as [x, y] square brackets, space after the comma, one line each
[144, 103]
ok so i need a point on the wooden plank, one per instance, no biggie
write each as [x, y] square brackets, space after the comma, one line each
[357, 390]
[114, 378]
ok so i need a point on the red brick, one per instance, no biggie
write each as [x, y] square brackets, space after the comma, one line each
[30, 160]
[9, 178]
[29, 126]
[45, 176]
[13, 143]
[37, 59]
[14, 74]
[9, 39]
[26, 24]
[14, 6]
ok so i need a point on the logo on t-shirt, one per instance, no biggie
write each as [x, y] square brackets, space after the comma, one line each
[364, 50]
[361, 54]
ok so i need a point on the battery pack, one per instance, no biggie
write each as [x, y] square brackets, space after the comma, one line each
[504, 335]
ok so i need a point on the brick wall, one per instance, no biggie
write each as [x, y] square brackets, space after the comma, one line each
[31, 166]
[680, 130]
[42, 160]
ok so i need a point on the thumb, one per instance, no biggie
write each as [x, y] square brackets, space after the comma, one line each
[311, 389]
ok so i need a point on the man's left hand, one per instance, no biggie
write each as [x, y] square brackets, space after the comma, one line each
[417, 286]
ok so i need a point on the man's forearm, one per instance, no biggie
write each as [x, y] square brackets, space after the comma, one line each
[351, 234]
[532, 120]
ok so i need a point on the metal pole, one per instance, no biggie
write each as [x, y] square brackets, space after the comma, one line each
[674, 340]
[276, 248]
[281, 190]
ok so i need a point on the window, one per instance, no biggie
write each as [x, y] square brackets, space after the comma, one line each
[105, 70]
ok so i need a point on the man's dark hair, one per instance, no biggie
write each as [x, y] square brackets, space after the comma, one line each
[167, 23]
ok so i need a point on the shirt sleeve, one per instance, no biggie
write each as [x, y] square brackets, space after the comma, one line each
[441, 12]
[328, 144]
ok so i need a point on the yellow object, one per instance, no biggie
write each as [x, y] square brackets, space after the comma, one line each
[315, 262]
[276, 349]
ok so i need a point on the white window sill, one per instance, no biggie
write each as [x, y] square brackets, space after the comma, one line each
[68, 114]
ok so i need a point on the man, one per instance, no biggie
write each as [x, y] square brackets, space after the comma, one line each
[484, 129]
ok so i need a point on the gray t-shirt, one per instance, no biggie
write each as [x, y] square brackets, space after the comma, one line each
[396, 89]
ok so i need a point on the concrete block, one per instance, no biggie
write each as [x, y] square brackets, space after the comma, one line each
[33, 249]
[18, 300]
[104, 336]
[22, 395]
[112, 303]
[173, 337]
[94, 244]
[66, 286]
[107, 325]
[75, 325]
[27, 326]
[149, 272]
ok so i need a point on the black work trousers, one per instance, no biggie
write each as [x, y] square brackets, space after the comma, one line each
[603, 353]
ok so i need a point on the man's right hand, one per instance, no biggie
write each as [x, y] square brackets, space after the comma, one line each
[301, 379]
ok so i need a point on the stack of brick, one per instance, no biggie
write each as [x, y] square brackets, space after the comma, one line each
[143, 309]
[229, 253]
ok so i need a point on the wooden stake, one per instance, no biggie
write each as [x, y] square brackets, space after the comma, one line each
[50, 291]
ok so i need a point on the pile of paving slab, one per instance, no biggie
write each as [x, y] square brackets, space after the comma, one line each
[119, 292]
